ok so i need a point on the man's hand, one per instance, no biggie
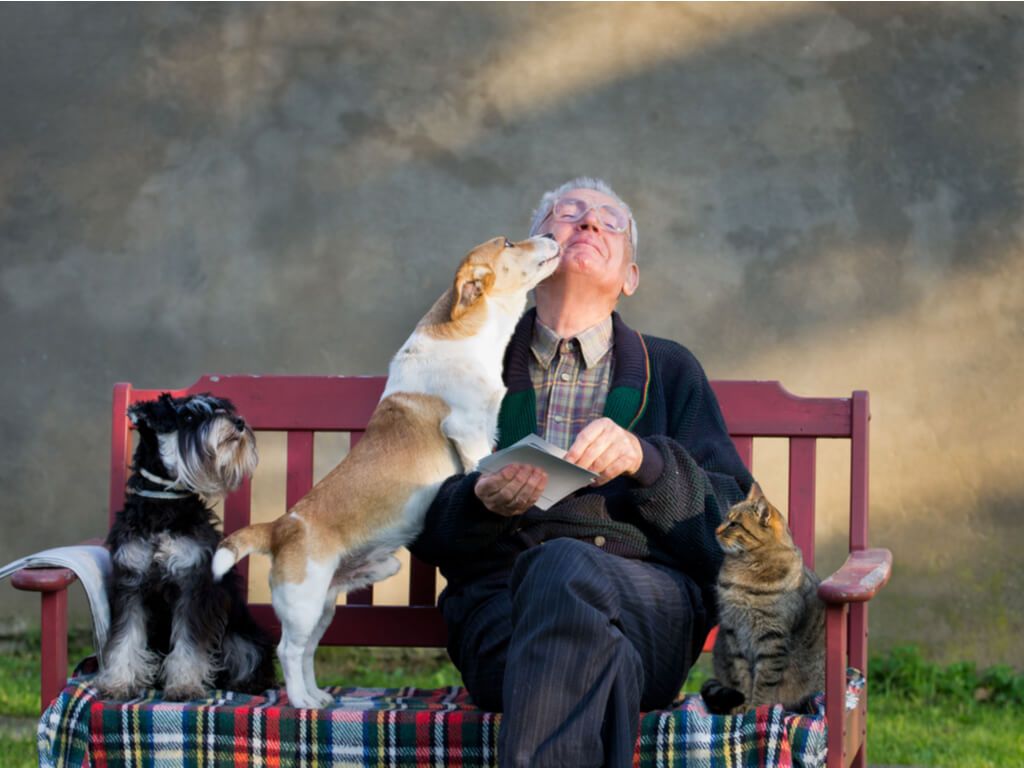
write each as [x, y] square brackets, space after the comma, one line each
[512, 490]
[607, 449]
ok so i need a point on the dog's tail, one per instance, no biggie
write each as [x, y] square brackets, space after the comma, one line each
[239, 545]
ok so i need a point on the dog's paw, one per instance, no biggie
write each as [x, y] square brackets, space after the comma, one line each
[117, 689]
[315, 699]
[184, 693]
[321, 697]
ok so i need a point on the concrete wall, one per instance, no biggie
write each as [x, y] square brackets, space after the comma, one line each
[827, 195]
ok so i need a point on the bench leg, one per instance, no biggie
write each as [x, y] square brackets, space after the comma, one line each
[54, 659]
[835, 682]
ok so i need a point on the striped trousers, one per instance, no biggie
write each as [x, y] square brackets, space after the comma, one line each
[570, 645]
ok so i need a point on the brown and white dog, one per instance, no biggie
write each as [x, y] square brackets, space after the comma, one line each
[438, 416]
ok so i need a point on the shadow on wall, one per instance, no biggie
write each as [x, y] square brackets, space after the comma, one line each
[827, 195]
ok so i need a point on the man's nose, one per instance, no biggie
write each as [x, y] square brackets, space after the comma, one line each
[590, 220]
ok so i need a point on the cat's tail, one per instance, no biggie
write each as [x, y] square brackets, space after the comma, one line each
[239, 545]
[719, 698]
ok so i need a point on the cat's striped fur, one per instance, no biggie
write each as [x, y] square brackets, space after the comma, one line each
[771, 637]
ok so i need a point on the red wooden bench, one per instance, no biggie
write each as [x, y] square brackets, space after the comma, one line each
[304, 405]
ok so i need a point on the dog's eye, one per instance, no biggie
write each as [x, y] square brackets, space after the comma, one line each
[509, 243]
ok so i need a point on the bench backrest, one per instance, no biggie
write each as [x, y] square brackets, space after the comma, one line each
[304, 405]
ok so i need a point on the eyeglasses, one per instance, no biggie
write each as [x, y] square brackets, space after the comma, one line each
[572, 209]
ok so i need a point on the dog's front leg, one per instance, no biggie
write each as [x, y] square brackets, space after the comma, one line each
[471, 441]
[129, 666]
[197, 627]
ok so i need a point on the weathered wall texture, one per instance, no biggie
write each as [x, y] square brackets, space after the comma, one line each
[828, 195]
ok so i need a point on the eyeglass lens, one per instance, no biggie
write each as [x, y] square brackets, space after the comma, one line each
[574, 209]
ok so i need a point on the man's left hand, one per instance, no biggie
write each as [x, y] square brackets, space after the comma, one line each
[607, 449]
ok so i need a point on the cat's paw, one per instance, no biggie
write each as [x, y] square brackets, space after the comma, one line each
[720, 699]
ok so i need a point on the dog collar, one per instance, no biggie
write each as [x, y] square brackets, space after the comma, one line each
[168, 485]
[158, 494]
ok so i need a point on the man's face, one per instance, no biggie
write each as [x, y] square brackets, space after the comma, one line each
[590, 249]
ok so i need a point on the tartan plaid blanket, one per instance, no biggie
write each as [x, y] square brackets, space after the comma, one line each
[398, 728]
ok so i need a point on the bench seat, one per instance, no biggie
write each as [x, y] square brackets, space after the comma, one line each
[399, 727]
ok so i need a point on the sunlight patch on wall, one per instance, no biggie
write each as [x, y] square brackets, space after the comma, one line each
[946, 397]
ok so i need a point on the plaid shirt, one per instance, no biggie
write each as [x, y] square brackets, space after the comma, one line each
[571, 378]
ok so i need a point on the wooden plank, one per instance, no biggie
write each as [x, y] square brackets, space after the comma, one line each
[422, 582]
[766, 409]
[855, 730]
[859, 578]
[285, 403]
[362, 596]
[237, 514]
[709, 641]
[343, 403]
[745, 448]
[802, 464]
[377, 625]
[859, 419]
[299, 472]
[857, 637]
[120, 448]
[835, 682]
[54, 646]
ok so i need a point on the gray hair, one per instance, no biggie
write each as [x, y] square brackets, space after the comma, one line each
[547, 202]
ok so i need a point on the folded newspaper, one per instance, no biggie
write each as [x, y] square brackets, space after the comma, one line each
[91, 564]
[564, 477]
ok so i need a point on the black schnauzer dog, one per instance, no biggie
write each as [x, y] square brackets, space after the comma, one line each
[170, 622]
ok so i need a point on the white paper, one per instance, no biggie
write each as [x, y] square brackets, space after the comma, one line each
[564, 477]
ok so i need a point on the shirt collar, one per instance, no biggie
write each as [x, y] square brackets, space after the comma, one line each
[595, 342]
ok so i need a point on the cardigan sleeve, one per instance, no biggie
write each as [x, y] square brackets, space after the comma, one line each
[457, 524]
[701, 474]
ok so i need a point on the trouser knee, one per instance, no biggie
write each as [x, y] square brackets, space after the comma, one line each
[560, 571]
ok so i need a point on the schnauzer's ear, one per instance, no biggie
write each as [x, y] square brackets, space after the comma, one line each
[158, 415]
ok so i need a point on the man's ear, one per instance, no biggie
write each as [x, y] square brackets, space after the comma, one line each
[471, 282]
[632, 279]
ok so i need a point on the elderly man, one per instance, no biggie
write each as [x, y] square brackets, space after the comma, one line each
[572, 620]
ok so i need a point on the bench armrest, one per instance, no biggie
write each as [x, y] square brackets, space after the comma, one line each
[50, 573]
[858, 579]
[43, 579]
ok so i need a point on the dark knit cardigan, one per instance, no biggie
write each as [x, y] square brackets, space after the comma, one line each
[690, 475]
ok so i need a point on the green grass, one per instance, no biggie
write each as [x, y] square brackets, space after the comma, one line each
[920, 713]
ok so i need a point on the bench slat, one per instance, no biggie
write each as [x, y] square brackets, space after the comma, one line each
[391, 625]
[745, 448]
[802, 462]
[299, 473]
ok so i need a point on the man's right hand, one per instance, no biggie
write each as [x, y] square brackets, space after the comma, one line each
[512, 490]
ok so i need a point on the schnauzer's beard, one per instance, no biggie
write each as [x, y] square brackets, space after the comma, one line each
[211, 460]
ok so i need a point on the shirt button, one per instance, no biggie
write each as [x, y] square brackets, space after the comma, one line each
[559, 419]
[600, 541]
[565, 377]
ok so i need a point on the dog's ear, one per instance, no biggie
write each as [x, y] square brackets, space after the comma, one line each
[471, 282]
[157, 415]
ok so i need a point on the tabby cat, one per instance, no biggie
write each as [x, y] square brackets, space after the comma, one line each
[771, 637]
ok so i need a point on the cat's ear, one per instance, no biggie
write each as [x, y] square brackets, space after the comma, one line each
[755, 492]
[763, 510]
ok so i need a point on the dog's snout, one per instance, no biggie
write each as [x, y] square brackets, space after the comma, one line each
[239, 423]
[548, 235]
